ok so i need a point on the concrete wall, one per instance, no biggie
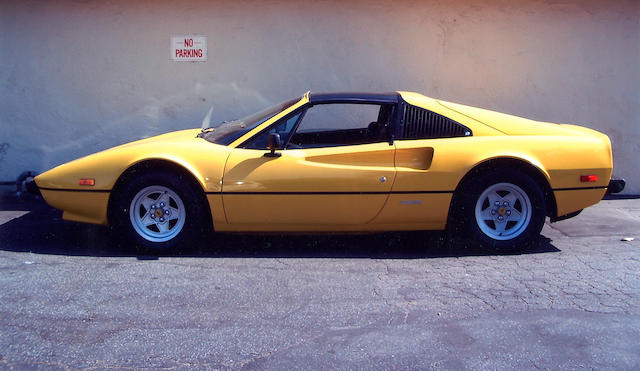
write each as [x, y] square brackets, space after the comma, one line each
[81, 76]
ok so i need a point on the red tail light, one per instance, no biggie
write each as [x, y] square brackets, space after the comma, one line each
[588, 178]
[87, 182]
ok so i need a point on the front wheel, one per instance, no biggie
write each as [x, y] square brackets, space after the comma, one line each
[501, 209]
[158, 211]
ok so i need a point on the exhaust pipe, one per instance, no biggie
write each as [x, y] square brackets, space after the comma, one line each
[615, 186]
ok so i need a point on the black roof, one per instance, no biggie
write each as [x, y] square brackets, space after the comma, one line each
[354, 97]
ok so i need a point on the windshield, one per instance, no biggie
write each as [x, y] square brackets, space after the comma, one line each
[228, 131]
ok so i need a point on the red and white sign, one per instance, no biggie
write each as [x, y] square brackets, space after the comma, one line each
[189, 48]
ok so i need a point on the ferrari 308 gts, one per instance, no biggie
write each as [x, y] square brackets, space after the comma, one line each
[342, 162]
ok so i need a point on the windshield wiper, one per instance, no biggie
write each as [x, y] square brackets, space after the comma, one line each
[204, 131]
[209, 129]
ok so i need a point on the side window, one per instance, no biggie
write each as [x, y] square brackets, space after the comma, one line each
[419, 123]
[284, 128]
[342, 124]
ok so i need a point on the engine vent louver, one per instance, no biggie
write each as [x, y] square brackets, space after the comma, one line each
[420, 123]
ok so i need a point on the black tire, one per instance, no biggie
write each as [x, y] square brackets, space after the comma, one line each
[180, 232]
[467, 225]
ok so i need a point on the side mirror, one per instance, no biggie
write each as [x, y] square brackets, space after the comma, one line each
[273, 143]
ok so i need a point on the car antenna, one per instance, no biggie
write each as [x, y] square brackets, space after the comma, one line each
[207, 119]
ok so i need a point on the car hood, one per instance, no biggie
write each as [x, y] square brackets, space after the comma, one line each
[182, 147]
[180, 135]
[515, 125]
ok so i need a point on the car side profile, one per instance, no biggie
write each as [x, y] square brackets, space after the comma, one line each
[342, 162]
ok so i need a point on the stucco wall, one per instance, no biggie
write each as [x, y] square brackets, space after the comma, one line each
[81, 76]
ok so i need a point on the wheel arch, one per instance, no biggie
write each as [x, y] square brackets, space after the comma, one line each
[157, 164]
[534, 171]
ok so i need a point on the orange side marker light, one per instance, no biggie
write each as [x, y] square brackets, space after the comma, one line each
[87, 182]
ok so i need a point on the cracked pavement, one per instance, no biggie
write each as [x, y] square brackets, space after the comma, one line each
[70, 299]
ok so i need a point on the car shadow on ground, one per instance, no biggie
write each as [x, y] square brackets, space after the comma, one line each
[42, 231]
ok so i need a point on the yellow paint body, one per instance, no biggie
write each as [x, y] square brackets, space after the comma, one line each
[322, 185]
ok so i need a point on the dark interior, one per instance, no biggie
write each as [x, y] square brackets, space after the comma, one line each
[332, 138]
[374, 132]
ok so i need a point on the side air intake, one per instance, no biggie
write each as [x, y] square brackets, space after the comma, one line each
[420, 123]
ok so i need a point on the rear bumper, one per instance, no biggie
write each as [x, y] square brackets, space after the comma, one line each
[554, 219]
[616, 186]
[570, 202]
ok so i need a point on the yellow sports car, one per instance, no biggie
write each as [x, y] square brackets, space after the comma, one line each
[342, 162]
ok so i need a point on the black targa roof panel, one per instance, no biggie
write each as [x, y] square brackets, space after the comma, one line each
[353, 97]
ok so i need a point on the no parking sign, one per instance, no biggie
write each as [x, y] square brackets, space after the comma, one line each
[189, 48]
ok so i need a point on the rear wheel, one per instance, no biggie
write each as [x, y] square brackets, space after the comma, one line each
[503, 209]
[158, 211]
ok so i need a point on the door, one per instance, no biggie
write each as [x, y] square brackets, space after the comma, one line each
[336, 168]
[431, 153]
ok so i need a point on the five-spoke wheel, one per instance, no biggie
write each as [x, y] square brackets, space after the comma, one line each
[503, 211]
[500, 208]
[159, 210]
[157, 213]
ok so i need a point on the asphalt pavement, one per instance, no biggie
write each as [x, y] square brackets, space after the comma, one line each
[70, 298]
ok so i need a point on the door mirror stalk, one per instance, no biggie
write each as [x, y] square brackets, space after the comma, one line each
[273, 142]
